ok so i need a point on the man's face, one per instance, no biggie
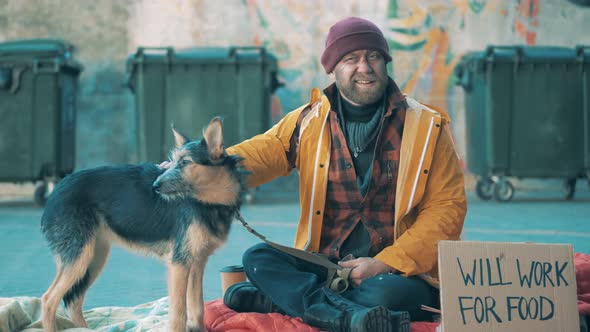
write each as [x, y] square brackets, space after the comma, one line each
[361, 77]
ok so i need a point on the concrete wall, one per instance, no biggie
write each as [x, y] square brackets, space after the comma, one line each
[427, 39]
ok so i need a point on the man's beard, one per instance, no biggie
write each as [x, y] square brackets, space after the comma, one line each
[359, 96]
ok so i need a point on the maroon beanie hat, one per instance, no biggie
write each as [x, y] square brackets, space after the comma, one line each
[351, 34]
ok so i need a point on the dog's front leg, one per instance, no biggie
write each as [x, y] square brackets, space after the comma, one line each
[195, 295]
[177, 287]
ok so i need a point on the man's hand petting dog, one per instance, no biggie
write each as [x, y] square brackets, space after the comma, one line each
[365, 267]
[165, 164]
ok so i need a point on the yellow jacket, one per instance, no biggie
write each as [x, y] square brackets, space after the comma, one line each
[430, 200]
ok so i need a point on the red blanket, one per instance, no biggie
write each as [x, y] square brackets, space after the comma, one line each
[582, 264]
[219, 318]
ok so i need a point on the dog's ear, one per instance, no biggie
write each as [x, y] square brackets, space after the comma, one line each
[213, 135]
[179, 139]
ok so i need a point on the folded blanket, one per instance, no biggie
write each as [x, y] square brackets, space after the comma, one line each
[219, 318]
[24, 314]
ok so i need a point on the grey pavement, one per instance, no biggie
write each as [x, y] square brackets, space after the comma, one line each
[27, 268]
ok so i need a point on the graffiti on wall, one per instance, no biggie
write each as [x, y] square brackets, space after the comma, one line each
[423, 34]
[419, 34]
[427, 61]
[278, 30]
[527, 22]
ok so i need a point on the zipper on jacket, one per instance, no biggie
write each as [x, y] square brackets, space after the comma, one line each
[356, 151]
[377, 141]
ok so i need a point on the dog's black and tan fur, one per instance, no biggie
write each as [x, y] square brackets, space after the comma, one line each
[181, 214]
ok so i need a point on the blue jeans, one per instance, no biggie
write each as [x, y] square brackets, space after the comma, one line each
[294, 284]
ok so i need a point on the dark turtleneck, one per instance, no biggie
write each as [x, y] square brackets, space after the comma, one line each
[356, 113]
[361, 126]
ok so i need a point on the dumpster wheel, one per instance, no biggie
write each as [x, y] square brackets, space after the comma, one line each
[503, 190]
[484, 189]
[569, 188]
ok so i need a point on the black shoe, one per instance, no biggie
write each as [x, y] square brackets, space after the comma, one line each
[380, 319]
[244, 297]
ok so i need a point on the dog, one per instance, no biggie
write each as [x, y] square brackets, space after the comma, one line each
[180, 214]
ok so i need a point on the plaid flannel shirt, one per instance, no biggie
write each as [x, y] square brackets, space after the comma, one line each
[345, 207]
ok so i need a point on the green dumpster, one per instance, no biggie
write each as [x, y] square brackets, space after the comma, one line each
[187, 88]
[524, 116]
[470, 74]
[38, 83]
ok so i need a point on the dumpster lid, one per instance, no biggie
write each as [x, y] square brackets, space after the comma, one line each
[39, 51]
[48, 47]
[200, 55]
[583, 50]
[544, 54]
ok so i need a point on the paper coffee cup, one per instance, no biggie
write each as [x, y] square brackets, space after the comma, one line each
[230, 275]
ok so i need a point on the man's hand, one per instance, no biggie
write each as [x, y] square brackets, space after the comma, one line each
[165, 165]
[365, 267]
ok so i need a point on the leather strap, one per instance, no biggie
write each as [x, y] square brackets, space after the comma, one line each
[337, 277]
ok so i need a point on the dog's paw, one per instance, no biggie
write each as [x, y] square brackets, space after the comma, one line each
[196, 329]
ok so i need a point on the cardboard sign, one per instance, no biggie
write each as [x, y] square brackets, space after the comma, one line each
[491, 286]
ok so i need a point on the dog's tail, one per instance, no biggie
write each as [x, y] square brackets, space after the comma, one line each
[79, 288]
